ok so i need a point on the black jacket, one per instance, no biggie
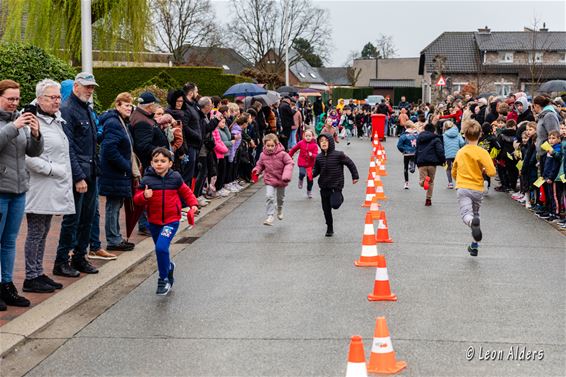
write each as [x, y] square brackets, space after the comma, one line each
[330, 166]
[526, 115]
[505, 140]
[430, 150]
[317, 107]
[81, 132]
[286, 114]
[147, 136]
[192, 130]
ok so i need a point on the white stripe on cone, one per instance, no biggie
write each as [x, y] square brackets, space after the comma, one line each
[368, 229]
[381, 274]
[357, 370]
[382, 345]
[369, 250]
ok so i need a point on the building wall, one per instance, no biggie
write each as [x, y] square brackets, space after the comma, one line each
[522, 58]
[395, 68]
[367, 67]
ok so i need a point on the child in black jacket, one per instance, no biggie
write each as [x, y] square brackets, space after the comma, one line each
[329, 166]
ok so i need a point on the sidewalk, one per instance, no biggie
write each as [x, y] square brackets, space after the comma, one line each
[18, 324]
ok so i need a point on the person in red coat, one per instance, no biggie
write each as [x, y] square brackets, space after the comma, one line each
[277, 166]
[308, 149]
[160, 191]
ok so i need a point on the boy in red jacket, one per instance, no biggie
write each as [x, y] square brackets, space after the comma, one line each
[308, 149]
[160, 191]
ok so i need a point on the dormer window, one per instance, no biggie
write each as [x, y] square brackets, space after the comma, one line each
[536, 57]
[506, 57]
[226, 68]
[302, 75]
[312, 75]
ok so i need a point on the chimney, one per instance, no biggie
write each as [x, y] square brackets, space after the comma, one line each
[485, 30]
[543, 28]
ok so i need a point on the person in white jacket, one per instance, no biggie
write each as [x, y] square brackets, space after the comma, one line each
[51, 186]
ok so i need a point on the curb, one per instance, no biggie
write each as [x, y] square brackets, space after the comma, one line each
[21, 328]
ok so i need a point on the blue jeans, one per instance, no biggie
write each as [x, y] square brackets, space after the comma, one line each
[76, 229]
[162, 236]
[95, 243]
[292, 139]
[188, 169]
[11, 214]
[112, 221]
[302, 175]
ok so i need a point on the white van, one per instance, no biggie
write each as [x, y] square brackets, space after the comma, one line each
[374, 100]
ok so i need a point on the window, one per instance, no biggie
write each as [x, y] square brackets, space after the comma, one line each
[503, 88]
[226, 68]
[506, 57]
[563, 60]
[537, 57]
[312, 75]
[302, 75]
[458, 86]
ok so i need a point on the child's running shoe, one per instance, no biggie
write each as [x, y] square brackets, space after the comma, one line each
[428, 203]
[406, 187]
[300, 184]
[476, 230]
[170, 275]
[280, 213]
[163, 287]
[473, 249]
[309, 194]
[450, 185]
[268, 221]
[485, 187]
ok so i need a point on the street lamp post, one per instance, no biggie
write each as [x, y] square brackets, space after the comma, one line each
[86, 35]
[286, 36]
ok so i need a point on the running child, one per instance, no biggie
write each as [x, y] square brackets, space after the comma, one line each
[453, 141]
[308, 149]
[330, 129]
[329, 166]
[407, 145]
[470, 164]
[277, 166]
[160, 191]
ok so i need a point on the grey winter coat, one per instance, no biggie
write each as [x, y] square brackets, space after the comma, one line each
[547, 121]
[51, 178]
[14, 145]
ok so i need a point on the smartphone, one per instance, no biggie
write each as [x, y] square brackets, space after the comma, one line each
[29, 108]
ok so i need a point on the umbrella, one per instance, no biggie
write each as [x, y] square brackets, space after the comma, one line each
[290, 91]
[267, 99]
[133, 213]
[310, 94]
[553, 86]
[245, 89]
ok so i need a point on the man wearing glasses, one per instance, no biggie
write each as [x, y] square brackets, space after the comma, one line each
[80, 129]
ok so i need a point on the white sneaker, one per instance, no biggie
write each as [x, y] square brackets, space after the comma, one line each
[280, 213]
[223, 192]
[406, 187]
[230, 187]
[527, 204]
[202, 201]
[269, 220]
[485, 187]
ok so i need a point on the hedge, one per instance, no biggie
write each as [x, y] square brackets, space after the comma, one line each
[27, 65]
[354, 93]
[112, 81]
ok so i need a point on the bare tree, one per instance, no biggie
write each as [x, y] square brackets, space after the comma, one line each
[351, 57]
[353, 75]
[182, 24]
[385, 46]
[259, 25]
[538, 43]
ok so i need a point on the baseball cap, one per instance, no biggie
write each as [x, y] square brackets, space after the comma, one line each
[85, 78]
[147, 97]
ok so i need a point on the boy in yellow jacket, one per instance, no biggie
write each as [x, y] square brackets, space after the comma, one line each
[469, 165]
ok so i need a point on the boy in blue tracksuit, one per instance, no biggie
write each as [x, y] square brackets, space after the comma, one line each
[553, 189]
[453, 141]
[407, 145]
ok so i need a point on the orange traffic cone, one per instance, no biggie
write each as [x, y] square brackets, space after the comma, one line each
[369, 246]
[381, 288]
[379, 193]
[372, 167]
[374, 208]
[382, 358]
[382, 229]
[356, 358]
[370, 191]
[381, 168]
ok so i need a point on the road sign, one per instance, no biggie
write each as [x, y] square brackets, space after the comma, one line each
[441, 81]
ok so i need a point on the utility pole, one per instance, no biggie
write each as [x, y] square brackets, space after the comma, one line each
[86, 35]
[286, 36]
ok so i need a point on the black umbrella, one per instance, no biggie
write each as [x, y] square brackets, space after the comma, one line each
[553, 86]
[290, 91]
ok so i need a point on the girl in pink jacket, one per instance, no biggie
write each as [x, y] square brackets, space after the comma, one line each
[308, 149]
[277, 166]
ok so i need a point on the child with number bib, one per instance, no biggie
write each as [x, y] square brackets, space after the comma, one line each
[160, 191]
[277, 166]
[308, 149]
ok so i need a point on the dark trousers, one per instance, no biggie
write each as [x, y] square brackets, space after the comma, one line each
[302, 175]
[188, 169]
[221, 176]
[406, 160]
[202, 174]
[325, 195]
[75, 229]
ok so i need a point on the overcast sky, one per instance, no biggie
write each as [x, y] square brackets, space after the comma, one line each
[414, 24]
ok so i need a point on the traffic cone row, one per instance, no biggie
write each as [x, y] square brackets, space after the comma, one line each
[382, 358]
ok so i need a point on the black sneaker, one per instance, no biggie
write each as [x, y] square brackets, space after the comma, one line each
[3, 306]
[84, 266]
[163, 287]
[131, 244]
[9, 294]
[171, 272]
[476, 230]
[50, 281]
[543, 215]
[473, 251]
[64, 269]
[37, 285]
[122, 246]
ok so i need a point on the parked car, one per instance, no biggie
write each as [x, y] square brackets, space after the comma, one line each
[374, 100]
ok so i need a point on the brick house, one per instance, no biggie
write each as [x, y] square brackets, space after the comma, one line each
[495, 62]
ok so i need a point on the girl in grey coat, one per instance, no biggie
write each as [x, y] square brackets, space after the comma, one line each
[19, 135]
[51, 186]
